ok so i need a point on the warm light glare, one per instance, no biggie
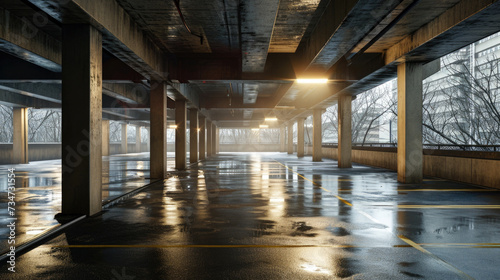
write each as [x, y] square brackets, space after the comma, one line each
[271, 119]
[255, 129]
[263, 126]
[172, 126]
[312, 81]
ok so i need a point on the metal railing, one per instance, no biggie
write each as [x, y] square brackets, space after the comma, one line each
[443, 147]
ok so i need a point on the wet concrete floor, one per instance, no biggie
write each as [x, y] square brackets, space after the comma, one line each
[273, 216]
[38, 191]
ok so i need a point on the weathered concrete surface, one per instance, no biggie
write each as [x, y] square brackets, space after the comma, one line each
[158, 133]
[105, 138]
[21, 38]
[20, 135]
[203, 137]
[410, 123]
[121, 35]
[290, 138]
[193, 135]
[317, 135]
[81, 120]
[300, 137]
[344, 131]
[180, 134]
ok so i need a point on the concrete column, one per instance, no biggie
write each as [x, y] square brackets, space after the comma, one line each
[105, 137]
[214, 139]
[410, 158]
[209, 138]
[345, 133]
[158, 130]
[124, 145]
[81, 119]
[193, 135]
[20, 135]
[180, 134]
[317, 135]
[203, 138]
[137, 138]
[282, 140]
[217, 144]
[149, 138]
[290, 139]
[300, 137]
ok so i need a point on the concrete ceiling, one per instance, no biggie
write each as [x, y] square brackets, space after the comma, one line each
[250, 53]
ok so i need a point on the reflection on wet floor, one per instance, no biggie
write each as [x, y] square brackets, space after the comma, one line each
[274, 216]
[38, 190]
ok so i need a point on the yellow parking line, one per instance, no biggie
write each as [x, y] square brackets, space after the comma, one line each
[450, 206]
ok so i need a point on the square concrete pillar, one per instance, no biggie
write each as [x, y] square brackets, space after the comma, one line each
[290, 139]
[344, 131]
[180, 134]
[149, 137]
[137, 138]
[158, 130]
[193, 135]
[81, 119]
[124, 142]
[202, 137]
[105, 137]
[20, 135]
[217, 144]
[300, 137]
[317, 135]
[209, 138]
[410, 157]
[282, 140]
[214, 139]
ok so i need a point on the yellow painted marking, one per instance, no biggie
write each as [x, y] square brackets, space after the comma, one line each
[461, 245]
[418, 247]
[446, 190]
[450, 206]
[403, 238]
[314, 183]
[204, 246]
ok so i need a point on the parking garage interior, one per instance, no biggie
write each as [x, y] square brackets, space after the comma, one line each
[220, 139]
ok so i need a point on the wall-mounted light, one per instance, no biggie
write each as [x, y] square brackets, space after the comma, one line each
[263, 126]
[312, 81]
[199, 129]
[172, 126]
[271, 119]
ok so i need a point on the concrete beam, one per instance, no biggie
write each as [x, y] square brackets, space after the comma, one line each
[8, 98]
[193, 135]
[410, 158]
[81, 120]
[180, 134]
[20, 135]
[121, 35]
[158, 130]
[300, 137]
[257, 24]
[344, 131]
[341, 27]
[20, 38]
[463, 24]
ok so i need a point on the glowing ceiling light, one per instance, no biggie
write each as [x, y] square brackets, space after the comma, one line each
[312, 81]
[272, 119]
[172, 126]
[263, 126]
[255, 129]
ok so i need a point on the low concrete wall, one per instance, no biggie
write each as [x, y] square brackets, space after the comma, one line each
[467, 168]
[249, 148]
[36, 151]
